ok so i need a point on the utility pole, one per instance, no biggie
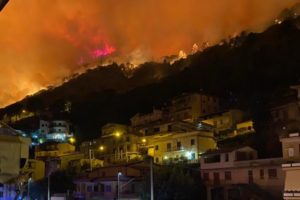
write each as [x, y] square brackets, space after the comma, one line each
[90, 157]
[48, 194]
[28, 189]
[151, 179]
[119, 174]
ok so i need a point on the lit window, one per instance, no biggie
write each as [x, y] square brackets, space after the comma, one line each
[291, 152]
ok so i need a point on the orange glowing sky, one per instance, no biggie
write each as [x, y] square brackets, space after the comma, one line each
[43, 41]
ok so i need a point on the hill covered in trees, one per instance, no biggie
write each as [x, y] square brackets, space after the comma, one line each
[247, 72]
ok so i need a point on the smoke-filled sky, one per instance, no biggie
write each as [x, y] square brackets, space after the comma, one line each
[42, 41]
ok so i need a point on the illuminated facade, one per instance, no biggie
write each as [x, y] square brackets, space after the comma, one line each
[228, 124]
[179, 146]
[236, 173]
[14, 153]
[56, 130]
[291, 167]
[116, 145]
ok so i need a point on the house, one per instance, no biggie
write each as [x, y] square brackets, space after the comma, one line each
[58, 156]
[14, 153]
[179, 146]
[291, 167]
[191, 106]
[237, 173]
[103, 183]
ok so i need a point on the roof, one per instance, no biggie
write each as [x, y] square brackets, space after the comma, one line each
[224, 150]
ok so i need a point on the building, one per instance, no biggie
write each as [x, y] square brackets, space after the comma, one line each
[56, 130]
[140, 120]
[34, 169]
[58, 156]
[236, 173]
[179, 146]
[14, 153]
[116, 145]
[191, 106]
[291, 167]
[228, 123]
[103, 184]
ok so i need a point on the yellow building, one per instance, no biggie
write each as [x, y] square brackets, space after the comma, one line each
[14, 152]
[173, 147]
[34, 169]
[58, 156]
[116, 145]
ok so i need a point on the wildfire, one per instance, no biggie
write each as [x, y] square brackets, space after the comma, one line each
[105, 51]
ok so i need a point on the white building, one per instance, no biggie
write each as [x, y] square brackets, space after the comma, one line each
[291, 155]
[58, 130]
[238, 174]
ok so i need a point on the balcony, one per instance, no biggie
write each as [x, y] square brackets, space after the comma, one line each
[290, 165]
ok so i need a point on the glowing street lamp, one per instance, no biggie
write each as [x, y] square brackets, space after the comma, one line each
[72, 140]
[119, 174]
[101, 148]
[144, 140]
[117, 134]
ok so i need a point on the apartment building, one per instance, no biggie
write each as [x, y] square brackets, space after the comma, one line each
[55, 130]
[179, 146]
[103, 183]
[116, 145]
[191, 106]
[291, 167]
[58, 156]
[14, 153]
[237, 173]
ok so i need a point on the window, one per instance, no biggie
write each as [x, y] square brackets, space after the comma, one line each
[169, 128]
[133, 188]
[128, 147]
[227, 175]
[169, 147]
[156, 147]
[127, 139]
[291, 152]
[206, 176]
[272, 173]
[156, 160]
[108, 188]
[262, 173]
[96, 188]
[226, 157]
[90, 188]
[193, 156]
[156, 129]
[178, 145]
[192, 142]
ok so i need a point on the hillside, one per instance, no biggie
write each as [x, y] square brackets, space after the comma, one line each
[246, 72]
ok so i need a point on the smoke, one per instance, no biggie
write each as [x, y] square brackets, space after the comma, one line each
[43, 41]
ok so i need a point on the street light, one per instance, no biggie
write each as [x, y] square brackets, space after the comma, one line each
[119, 174]
[28, 190]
